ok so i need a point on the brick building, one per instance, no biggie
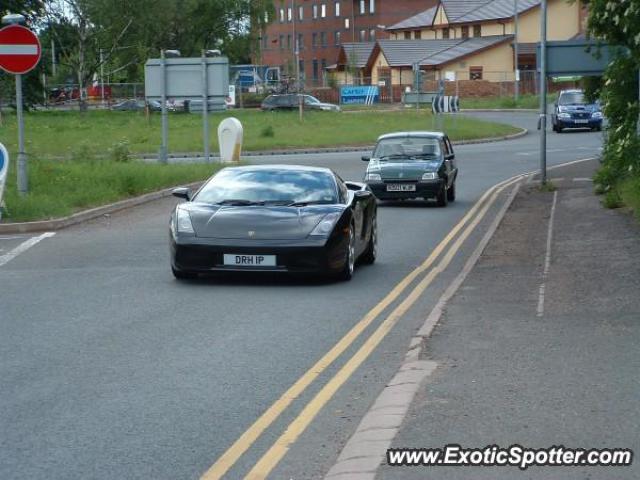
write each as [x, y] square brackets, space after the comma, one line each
[322, 26]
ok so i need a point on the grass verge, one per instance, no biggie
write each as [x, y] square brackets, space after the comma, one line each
[58, 189]
[525, 102]
[70, 135]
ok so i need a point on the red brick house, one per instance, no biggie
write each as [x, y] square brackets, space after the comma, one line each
[322, 26]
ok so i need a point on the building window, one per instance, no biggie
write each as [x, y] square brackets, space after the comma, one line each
[465, 31]
[300, 13]
[281, 41]
[300, 45]
[323, 10]
[314, 40]
[445, 33]
[362, 35]
[362, 7]
[407, 35]
[324, 65]
[346, 23]
[372, 6]
[315, 11]
[301, 66]
[475, 73]
[315, 69]
[323, 39]
[417, 34]
[477, 30]
[289, 41]
[289, 14]
[338, 38]
[337, 5]
[282, 15]
[372, 35]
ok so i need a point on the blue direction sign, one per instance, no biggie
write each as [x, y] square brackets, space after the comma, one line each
[4, 166]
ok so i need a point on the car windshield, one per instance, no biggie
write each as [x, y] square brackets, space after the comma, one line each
[572, 98]
[409, 148]
[269, 187]
[310, 99]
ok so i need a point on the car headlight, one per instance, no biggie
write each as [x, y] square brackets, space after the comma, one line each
[325, 226]
[596, 115]
[183, 222]
[429, 176]
[374, 177]
[564, 115]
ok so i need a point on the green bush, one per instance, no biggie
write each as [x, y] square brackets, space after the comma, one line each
[120, 152]
[267, 132]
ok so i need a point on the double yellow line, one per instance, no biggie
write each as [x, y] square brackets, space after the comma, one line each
[273, 456]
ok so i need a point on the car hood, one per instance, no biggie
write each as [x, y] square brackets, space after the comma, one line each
[398, 170]
[255, 222]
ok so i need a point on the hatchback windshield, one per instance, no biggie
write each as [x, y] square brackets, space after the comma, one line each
[273, 187]
[309, 99]
[410, 148]
[572, 98]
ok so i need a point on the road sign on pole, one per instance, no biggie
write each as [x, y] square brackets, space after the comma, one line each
[19, 53]
[543, 93]
[19, 49]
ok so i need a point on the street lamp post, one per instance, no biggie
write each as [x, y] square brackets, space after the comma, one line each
[516, 85]
[543, 93]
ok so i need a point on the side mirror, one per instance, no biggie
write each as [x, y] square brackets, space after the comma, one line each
[366, 158]
[362, 194]
[182, 192]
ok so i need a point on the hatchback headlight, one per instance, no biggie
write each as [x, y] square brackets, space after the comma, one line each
[183, 221]
[374, 177]
[325, 226]
[429, 176]
[564, 115]
[596, 115]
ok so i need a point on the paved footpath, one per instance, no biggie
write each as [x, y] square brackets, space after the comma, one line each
[518, 367]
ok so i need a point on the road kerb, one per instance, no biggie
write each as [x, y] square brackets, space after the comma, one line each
[390, 395]
[86, 215]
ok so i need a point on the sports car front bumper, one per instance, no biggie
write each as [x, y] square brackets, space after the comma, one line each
[202, 255]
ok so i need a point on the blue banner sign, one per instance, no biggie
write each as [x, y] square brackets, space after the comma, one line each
[362, 95]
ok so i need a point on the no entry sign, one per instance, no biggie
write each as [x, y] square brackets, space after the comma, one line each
[19, 49]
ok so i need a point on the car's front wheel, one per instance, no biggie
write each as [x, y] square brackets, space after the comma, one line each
[451, 193]
[442, 198]
[349, 265]
[369, 256]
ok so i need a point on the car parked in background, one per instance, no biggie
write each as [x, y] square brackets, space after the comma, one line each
[408, 165]
[572, 110]
[291, 101]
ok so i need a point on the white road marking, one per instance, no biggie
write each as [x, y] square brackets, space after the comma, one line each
[13, 237]
[23, 247]
[582, 179]
[547, 259]
[18, 49]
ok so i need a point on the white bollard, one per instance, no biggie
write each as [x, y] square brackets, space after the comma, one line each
[230, 139]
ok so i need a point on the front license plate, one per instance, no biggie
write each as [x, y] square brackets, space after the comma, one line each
[233, 260]
[582, 121]
[401, 187]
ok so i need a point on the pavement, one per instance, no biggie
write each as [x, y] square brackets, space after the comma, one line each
[532, 359]
[109, 368]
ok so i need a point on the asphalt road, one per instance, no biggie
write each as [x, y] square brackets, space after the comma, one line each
[109, 368]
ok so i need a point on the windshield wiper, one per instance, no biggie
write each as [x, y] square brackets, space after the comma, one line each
[397, 155]
[238, 202]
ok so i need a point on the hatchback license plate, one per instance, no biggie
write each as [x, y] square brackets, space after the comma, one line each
[233, 260]
[582, 121]
[401, 187]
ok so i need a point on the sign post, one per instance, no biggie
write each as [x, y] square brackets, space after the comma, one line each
[19, 53]
[4, 166]
[543, 93]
